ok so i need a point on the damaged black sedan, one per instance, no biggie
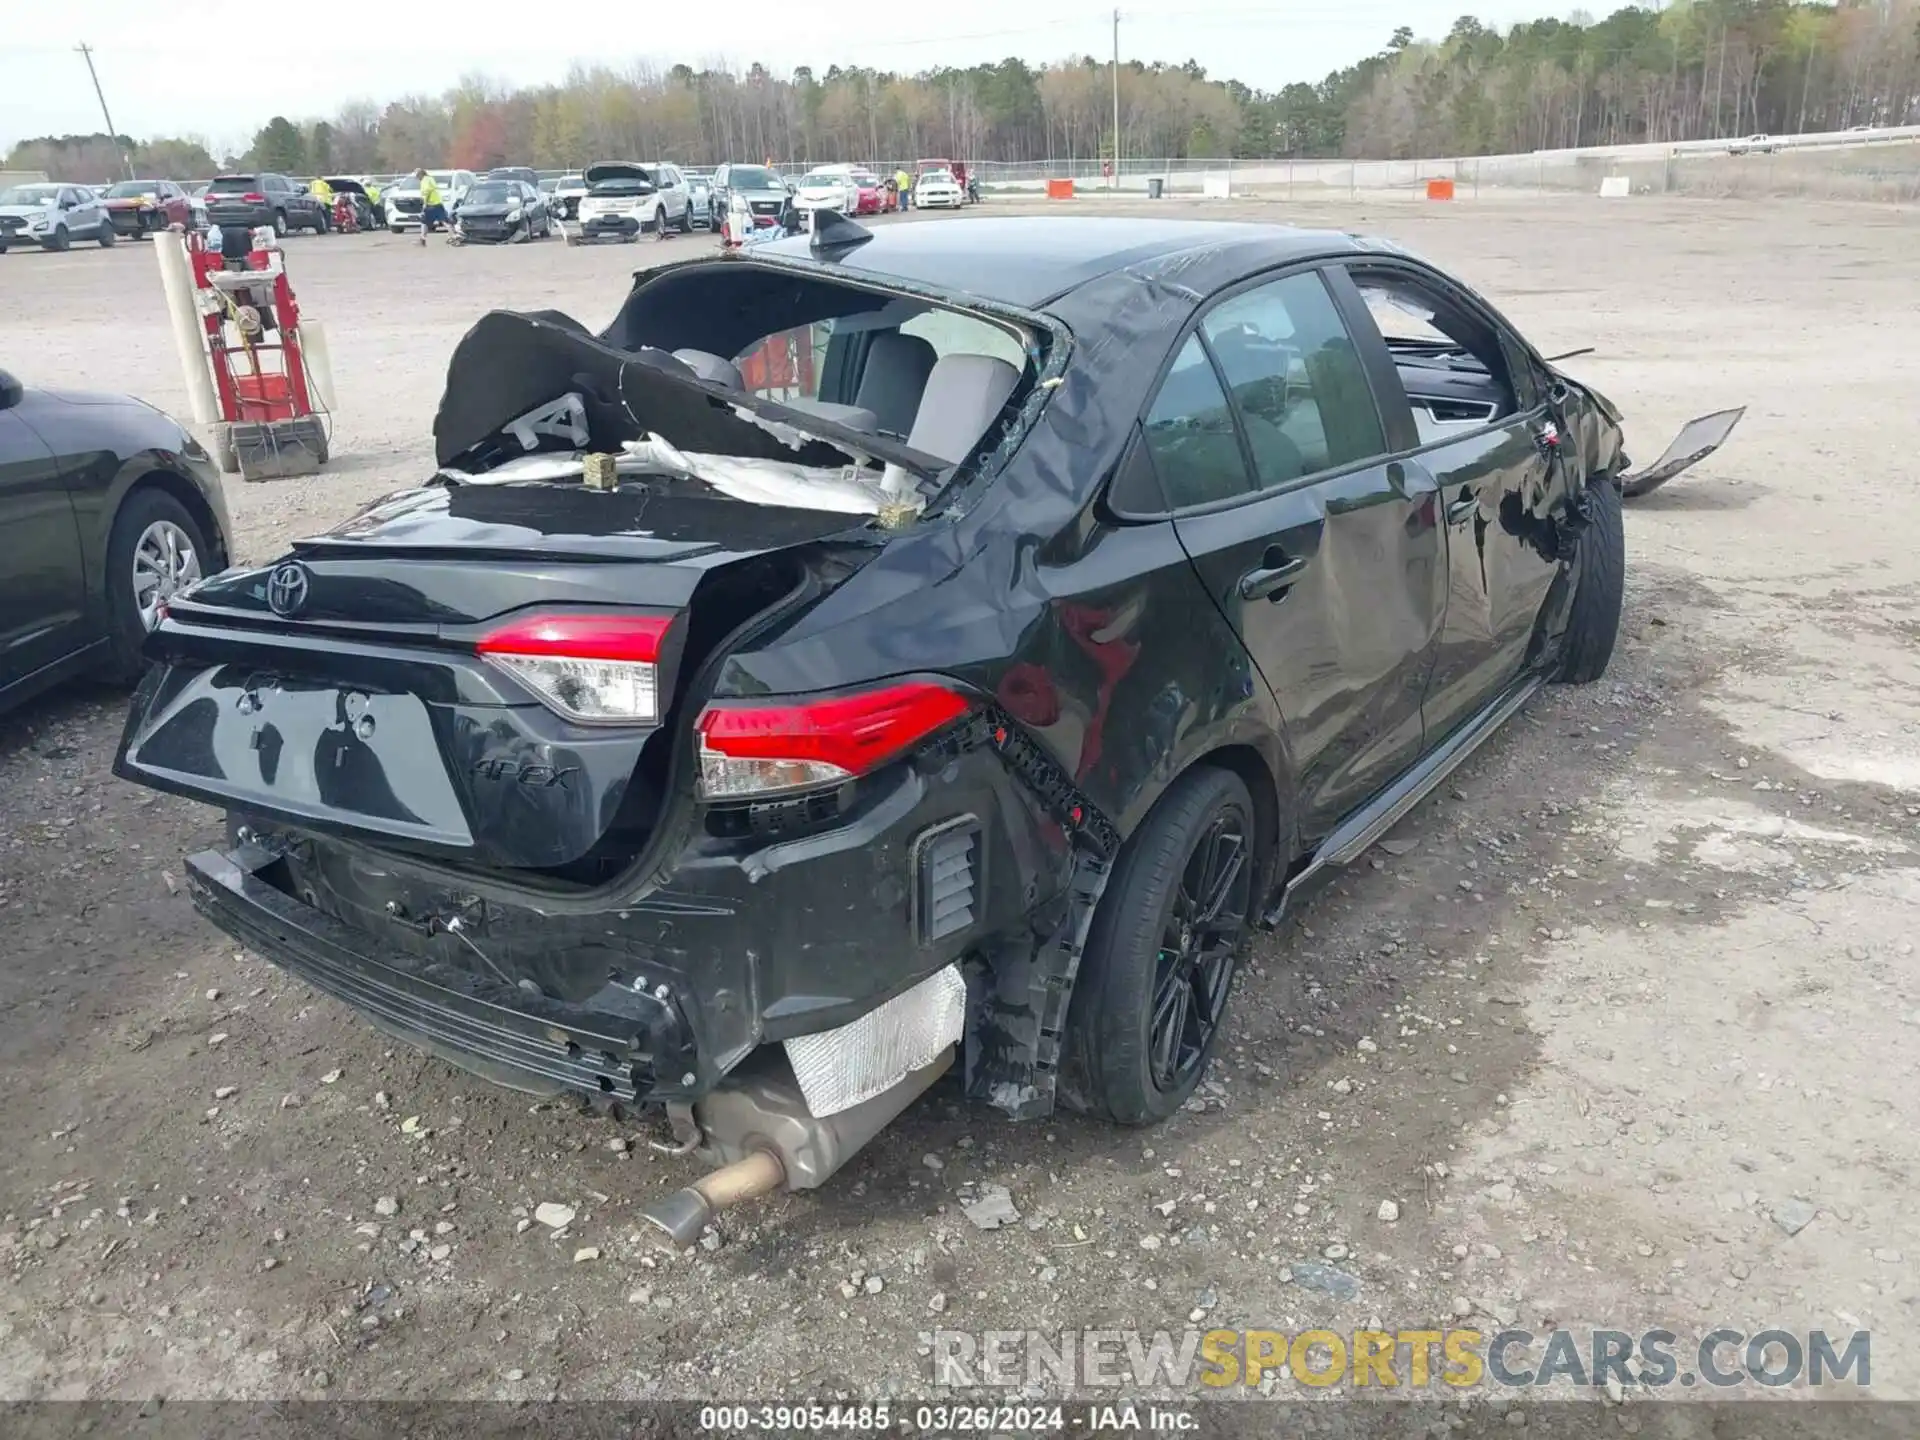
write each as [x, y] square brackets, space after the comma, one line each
[880, 654]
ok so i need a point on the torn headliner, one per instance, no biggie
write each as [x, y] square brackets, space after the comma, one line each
[510, 363]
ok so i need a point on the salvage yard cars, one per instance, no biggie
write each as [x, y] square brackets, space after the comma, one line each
[623, 199]
[52, 216]
[937, 189]
[404, 205]
[828, 187]
[503, 210]
[1092, 590]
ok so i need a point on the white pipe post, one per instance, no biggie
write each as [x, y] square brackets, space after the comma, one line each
[183, 317]
[319, 360]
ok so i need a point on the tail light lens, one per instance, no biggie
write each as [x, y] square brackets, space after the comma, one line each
[593, 669]
[254, 197]
[760, 749]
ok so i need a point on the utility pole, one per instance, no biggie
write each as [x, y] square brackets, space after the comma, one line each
[86, 53]
[1806, 83]
[1114, 184]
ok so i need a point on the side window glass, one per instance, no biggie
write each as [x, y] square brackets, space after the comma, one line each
[1457, 372]
[1190, 434]
[1297, 379]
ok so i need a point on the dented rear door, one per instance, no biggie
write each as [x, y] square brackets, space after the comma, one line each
[1332, 574]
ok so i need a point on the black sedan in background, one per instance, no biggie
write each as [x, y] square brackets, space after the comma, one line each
[503, 210]
[108, 507]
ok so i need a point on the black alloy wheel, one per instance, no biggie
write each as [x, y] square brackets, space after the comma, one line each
[1163, 953]
[1193, 973]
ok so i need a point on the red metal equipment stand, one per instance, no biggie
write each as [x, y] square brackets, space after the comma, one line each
[260, 373]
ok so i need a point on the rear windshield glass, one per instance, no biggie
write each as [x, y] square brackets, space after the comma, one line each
[234, 182]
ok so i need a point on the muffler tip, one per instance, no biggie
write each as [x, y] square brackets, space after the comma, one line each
[682, 1215]
[679, 1217]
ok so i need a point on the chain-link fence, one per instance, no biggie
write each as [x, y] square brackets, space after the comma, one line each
[1882, 167]
[1879, 165]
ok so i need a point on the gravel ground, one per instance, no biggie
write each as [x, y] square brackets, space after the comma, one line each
[1617, 1030]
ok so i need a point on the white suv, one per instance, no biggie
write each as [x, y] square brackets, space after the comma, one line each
[401, 200]
[624, 199]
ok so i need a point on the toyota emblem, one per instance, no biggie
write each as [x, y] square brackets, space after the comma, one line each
[287, 588]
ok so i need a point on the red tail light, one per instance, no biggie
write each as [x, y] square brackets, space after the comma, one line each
[594, 669]
[254, 197]
[758, 749]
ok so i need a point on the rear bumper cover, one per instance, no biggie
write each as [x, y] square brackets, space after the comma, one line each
[658, 991]
[624, 1045]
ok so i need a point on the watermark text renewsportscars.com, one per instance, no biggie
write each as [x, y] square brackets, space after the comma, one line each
[1456, 1358]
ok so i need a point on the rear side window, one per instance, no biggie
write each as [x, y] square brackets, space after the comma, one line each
[1297, 379]
[951, 333]
[1189, 433]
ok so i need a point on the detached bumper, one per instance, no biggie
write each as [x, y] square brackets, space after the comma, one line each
[623, 1045]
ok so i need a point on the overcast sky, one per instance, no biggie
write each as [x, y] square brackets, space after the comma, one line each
[220, 68]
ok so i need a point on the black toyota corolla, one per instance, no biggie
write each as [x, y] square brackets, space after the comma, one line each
[882, 652]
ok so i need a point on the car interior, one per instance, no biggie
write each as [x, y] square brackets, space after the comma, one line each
[1450, 361]
[938, 379]
[934, 378]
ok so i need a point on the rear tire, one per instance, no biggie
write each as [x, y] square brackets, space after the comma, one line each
[280, 223]
[1146, 1014]
[106, 237]
[1601, 571]
[144, 510]
[61, 239]
[322, 223]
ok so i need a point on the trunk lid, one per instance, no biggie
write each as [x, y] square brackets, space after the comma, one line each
[343, 689]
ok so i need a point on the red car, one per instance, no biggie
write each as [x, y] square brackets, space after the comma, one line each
[875, 197]
[140, 207]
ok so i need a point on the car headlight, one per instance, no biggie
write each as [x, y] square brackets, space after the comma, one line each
[513, 214]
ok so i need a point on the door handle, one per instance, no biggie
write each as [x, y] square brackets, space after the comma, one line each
[1278, 571]
[1462, 509]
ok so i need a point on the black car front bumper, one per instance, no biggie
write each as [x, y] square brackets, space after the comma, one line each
[490, 229]
[626, 1044]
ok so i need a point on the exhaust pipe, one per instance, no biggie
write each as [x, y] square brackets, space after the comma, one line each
[759, 1127]
[682, 1215]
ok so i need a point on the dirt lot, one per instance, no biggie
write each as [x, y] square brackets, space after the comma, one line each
[1633, 998]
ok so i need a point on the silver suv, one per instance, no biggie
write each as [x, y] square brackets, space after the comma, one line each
[52, 215]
